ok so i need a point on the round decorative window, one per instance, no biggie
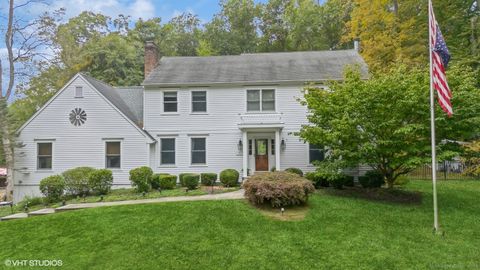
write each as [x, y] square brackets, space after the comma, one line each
[78, 117]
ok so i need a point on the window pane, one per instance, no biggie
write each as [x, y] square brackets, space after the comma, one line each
[78, 91]
[170, 107]
[199, 157]
[198, 144]
[170, 96]
[113, 161]
[250, 145]
[253, 95]
[253, 106]
[273, 146]
[168, 144]
[268, 105]
[44, 162]
[199, 96]
[268, 95]
[316, 153]
[199, 106]
[167, 158]
[45, 149]
[113, 148]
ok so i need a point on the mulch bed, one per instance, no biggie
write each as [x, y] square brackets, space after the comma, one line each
[397, 196]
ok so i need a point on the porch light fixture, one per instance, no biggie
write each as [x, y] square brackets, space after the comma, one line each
[282, 144]
[240, 145]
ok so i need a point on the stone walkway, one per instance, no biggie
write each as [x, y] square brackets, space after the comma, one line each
[235, 195]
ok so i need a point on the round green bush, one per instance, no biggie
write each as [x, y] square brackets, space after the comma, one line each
[277, 189]
[349, 181]
[371, 179]
[100, 181]
[208, 179]
[318, 179]
[155, 180]
[229, 177]
[168, 181]
[141, 178]
[180, 178]
[52, 187]
[191, 181]
[76, 180]
[295, 170]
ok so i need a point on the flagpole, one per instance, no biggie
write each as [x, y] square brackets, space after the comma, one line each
[432, 124]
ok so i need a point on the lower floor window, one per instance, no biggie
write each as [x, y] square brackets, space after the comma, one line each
[44, 156]
[199, 151]
[167, 151]
[316, 153]
[112, 155]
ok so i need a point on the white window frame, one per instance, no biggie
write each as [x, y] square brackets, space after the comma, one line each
[163, 101]
[52, 142]
[191, 101]
[261, 100]
[105, 141]
[160, 152]
[191, 150]
[76, 94]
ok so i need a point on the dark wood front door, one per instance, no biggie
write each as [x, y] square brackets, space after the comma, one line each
[261, 155]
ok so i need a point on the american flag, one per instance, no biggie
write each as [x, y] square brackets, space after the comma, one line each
[440, 58]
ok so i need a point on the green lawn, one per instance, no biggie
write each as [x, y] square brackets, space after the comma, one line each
[337, 233]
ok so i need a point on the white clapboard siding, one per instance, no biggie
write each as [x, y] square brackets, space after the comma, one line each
[77, 146]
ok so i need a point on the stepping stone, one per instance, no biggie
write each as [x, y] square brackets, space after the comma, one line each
[40, 212]
[15, 216]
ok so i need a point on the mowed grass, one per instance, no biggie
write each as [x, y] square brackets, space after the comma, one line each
[337, 233]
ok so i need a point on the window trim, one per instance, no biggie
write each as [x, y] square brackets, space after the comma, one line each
[309, 153]
[191, 102]
[261, 100]
[163, 101]
[160, 164]
[37, 142]
[81, 91]
[105, 154]
[191, 151]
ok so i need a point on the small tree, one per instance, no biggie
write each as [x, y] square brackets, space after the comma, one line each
[385, 121]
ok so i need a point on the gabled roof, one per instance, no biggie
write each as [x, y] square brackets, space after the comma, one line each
[312, 66]
[133, 97]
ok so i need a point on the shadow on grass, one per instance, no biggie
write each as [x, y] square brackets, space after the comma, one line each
[394, 196]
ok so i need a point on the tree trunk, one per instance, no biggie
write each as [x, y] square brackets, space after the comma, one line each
[389, 183]
[7, 147]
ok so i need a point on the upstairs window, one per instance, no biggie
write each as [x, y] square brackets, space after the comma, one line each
[199, 101]
[170, 101]
[78, 92]
[316, 153]
[261, 100]
[44, 156]
[199, 151]
[167, 151]
[112, 155]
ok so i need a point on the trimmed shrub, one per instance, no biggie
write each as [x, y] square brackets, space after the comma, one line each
[167, 181]
[180, 178]
[318, 179]
[371, 179]
[141, 178]
[155, 180]
[229, 177]
[76, 180]
[278, 189]
[295, 170]
[52, 187]
[191, 181]
[349, 181]
[100, 181]
[337, 180]
[208, 179]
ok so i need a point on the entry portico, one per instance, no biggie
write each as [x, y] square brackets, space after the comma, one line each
[261, 141]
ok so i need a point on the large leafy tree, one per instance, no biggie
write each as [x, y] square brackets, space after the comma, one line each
[385, 122]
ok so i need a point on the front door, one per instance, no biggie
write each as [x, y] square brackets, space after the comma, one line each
[261, 155]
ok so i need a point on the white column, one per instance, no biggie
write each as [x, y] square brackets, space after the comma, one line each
[245, 153]
[277, 150]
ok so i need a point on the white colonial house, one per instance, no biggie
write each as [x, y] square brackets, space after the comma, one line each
[192, 114]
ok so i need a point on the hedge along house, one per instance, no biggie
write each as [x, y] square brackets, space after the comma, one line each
[192, 114]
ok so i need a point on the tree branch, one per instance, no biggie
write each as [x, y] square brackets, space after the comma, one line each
[9, 44]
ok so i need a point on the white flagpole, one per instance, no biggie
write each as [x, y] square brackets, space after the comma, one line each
[432, 120]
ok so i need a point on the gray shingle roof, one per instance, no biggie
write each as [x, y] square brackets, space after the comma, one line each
[301, 67]
[133, 97]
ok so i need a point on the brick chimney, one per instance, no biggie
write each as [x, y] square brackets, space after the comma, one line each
[151, 57]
